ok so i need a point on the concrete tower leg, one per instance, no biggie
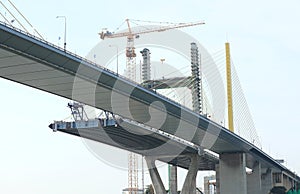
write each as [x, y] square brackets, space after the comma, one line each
[173, 179]
[254, 179]
[266, 181]
[233, 173]
[158, 185]
[189, 186]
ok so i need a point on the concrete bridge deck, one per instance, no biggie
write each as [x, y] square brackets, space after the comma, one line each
[41, 65]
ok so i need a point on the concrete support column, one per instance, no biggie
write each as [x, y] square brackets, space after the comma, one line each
[173, 179]
[287, 182]
[217, 169]
[158, 185]
[254, 179]
[266, 181]
[189, 185]
[233, 173]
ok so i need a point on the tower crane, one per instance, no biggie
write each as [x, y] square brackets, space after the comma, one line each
[130, 49]
[131, 74]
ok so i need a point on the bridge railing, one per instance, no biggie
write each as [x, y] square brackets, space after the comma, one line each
[58, 48]
[85, 60]
[80, 59]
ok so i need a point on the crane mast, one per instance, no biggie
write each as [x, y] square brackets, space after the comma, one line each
[130, 55]
[131, 74]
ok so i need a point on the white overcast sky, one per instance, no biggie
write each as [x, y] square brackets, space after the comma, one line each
[264, 37]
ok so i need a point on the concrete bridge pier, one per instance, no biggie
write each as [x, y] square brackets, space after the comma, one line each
[254, 179]
[157, 183]
[232, 173]
[173, 187]
[231, 176]
[217, 169]
[189, 185]
[266, 181]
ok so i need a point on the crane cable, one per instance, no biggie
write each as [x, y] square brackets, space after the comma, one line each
[155, 22]
[118, 28]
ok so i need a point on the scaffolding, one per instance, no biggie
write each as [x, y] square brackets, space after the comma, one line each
[146, 66]
[196, 79]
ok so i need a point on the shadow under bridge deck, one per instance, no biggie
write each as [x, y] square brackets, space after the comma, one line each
[36, 63]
